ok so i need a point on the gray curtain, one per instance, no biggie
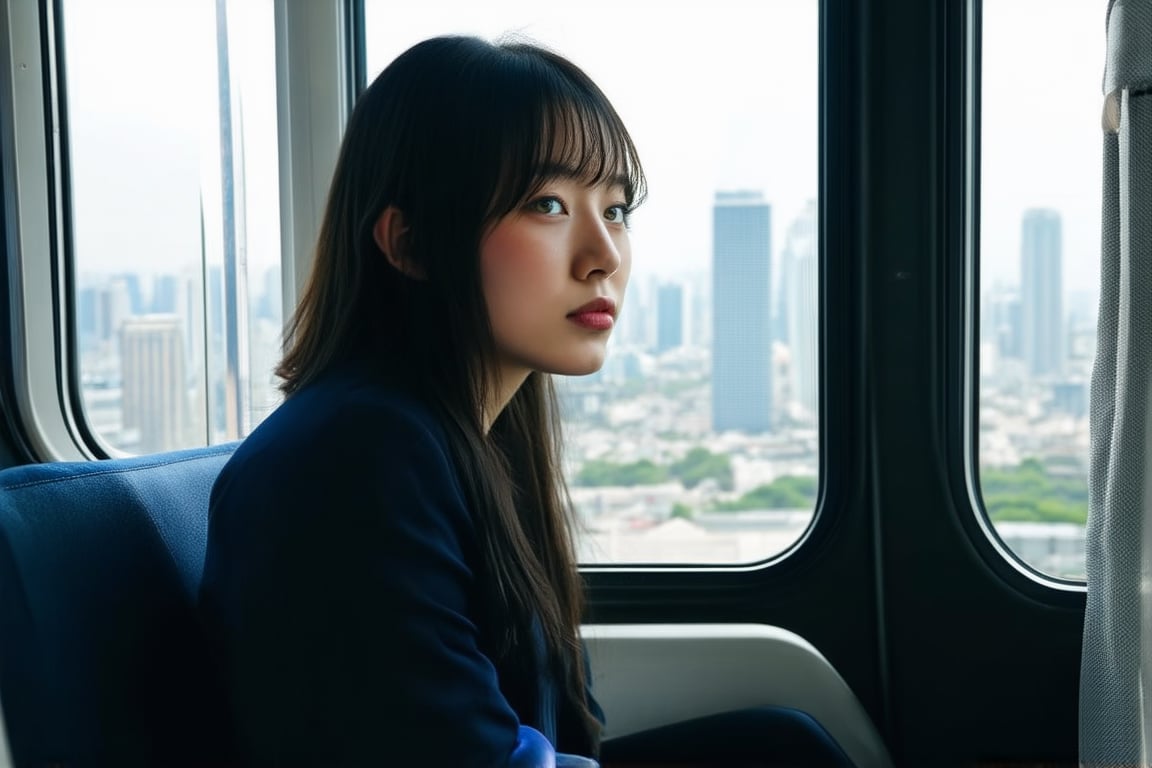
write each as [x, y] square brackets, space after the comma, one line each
[1116, 670]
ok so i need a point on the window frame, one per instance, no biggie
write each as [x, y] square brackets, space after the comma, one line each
[44, 421]
[841, 477]
[312, 52]
[961, 299]
[628, 584]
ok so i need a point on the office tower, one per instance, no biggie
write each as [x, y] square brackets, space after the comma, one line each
[131, 283]
[1070, 397]
[669, 316]
[700, 310]
[1041, 288]
[741, 313]
[100, 309]
[270, 306]
[631, 325]
[801, 299]
[1000, 321]
[166, 295]
[153, 376]
[113, 308]
[88, 302]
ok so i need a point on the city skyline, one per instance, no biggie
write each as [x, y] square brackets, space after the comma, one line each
[104, 299]
[652, 401]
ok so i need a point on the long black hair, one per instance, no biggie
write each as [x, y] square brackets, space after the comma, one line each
[456, 133]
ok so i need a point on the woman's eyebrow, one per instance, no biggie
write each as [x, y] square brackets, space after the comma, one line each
[562, 171]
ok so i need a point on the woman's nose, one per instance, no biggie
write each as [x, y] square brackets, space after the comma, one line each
[598, 253]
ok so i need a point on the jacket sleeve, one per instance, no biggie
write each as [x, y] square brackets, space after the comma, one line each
[340, 579]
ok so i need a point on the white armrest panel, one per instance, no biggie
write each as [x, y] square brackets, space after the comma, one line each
[648, 675]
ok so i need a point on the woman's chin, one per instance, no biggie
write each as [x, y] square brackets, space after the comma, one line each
[581, 367]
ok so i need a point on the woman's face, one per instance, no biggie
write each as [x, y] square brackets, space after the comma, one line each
[554, 274]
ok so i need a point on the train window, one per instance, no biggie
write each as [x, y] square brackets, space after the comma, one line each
[171, 134]
[1040, 187]
[698, 440]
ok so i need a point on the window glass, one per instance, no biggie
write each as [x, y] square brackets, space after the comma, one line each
[1040, 194]
[697, 442]
[171, 116]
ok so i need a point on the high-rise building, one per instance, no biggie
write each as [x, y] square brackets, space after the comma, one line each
[669, 316]
[115, 305]
[1000, 321]
[741, 313]
[271, 302]
[88, 302]
[1041, 292]
[801, 299]
[131, 283]
[632, 326]
[166, 295]
[153, 378]
[699, 310]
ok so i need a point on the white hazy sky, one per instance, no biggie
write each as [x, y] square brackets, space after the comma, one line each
[720, 95]
[1041, 135]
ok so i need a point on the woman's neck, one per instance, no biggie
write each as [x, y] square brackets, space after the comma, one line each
[501, 393]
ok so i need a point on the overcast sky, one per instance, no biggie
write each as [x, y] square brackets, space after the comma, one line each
[1041, 138]
[721, 95]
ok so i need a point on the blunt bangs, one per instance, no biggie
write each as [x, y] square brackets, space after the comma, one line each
[559, 124]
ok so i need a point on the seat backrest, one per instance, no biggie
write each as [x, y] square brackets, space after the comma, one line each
[102, 659]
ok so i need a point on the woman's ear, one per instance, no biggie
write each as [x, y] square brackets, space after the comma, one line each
[393, 238]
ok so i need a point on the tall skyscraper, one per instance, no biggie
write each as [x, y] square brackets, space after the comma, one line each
[131, 283]
[802, 301]
[271, 302]
[698, 309]
[165, 295]
[632, 330]
[1041, 292]
[88, 303]
[112, 304]
[741, 313]
[153, 376]
[1000, 321]
[669, 316]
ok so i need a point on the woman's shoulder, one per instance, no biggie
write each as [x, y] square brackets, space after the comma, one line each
[352, 419]
[349, 403]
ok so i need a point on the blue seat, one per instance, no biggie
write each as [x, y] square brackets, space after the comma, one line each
[103, 660]
[101, 656]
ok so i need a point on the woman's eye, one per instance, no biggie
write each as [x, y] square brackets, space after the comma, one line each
[548, 205]
[617, 214]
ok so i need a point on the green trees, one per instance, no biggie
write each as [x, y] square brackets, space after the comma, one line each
[1029, 492]
[599, 472]
[698, 465]
[786, 492]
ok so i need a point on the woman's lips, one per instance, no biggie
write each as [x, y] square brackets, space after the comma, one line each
[597, 315]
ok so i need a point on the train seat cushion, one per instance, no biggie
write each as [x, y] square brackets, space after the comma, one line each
[101, 655]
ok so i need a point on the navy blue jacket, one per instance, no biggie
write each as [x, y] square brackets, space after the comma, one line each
[341, 590]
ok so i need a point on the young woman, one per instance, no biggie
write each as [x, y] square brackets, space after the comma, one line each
[390, 575]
